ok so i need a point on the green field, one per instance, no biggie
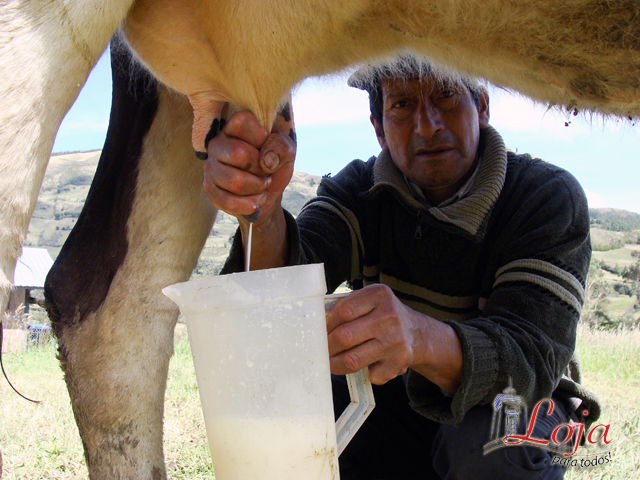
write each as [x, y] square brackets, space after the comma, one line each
[621, 305]
[41, 441]
[619, 256]
[602, 239]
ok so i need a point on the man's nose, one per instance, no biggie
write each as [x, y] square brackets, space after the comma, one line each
[428, 120]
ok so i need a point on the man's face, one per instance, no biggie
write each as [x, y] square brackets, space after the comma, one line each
[432, 132]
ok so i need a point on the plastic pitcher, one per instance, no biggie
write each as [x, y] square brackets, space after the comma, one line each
[259, 345]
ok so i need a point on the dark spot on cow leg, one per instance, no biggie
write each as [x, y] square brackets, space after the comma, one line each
[81, 276]
[285, 112]
[157, 474]
[293, 136]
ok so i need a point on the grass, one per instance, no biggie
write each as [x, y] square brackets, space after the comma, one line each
[619, 256]
[38, 440]
[41, 441]
[185, 443]
[611, 368]
[602, 239]
[621, 305]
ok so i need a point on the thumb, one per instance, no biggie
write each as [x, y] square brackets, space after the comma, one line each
[280, 147]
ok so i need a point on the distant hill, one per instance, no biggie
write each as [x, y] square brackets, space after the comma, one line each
[614, 219]
[64, 189]
[612, 229]
[69, 175]
[66, 185]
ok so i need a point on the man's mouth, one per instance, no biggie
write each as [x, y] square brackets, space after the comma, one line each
[433, 152]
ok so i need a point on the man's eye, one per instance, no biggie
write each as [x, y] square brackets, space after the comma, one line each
[401, 104]
[447, 93]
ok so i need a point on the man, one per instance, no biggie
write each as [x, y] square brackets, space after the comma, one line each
[468, 264]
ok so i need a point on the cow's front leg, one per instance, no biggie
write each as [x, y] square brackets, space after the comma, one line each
[143, 227]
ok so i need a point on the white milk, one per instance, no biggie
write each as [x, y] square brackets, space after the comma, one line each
[275, 448]
[259, 345]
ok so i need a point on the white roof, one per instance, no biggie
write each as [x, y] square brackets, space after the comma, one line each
[32, 268]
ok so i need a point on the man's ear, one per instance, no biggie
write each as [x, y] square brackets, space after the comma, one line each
[483, 110]
[379, 133]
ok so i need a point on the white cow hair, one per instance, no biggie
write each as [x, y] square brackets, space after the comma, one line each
[48, 50]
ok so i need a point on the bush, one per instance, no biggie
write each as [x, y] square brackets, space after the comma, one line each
[632, 272]
[597, 293]
[623, 289]
[614, 219]
[605, 247]
[610, 268]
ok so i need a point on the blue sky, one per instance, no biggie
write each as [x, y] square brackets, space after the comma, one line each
[333, 128]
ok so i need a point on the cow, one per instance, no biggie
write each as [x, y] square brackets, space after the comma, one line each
[180, 68]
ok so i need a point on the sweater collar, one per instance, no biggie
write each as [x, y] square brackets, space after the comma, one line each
[472, 210]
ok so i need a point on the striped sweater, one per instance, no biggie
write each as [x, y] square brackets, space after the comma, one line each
[505, 266]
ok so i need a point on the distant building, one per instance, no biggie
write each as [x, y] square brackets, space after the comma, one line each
[31, 271]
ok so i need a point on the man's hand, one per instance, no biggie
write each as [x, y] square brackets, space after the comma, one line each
[371, 327]
[248, 169]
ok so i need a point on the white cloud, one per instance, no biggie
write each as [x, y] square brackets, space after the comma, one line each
[625, 200]
[594, 199]
[514, 112]
[517, 113]
[329, 100]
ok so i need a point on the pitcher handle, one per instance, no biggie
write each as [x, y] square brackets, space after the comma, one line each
[362, 403]
[360, 392]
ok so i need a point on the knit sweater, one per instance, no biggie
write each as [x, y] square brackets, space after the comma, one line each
[505, 266]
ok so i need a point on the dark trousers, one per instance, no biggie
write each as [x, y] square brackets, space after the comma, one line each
[396, 443]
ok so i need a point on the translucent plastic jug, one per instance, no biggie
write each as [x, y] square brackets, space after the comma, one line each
[259, 345]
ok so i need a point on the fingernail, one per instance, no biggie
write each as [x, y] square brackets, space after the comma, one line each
[262, 201]
[271, 160]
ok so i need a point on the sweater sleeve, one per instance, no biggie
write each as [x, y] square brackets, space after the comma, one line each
[526, 334]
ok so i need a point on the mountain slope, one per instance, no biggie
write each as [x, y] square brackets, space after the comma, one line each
[66, 185]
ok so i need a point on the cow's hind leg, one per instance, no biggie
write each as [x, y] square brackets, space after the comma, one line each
[142, 228]
[47, 51]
